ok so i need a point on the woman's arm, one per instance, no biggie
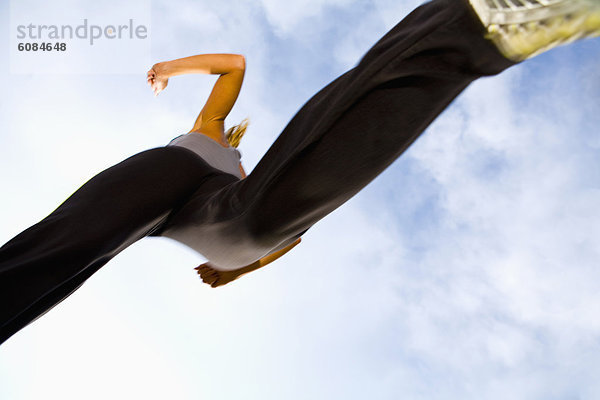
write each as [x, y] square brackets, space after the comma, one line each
[202, 64]
[231, 67]
[275, 255]
[217, 278]
[264, 261]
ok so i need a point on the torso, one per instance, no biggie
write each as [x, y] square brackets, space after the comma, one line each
[218, 137]
[217, 153]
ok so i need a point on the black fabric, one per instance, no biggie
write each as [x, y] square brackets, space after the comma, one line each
[356, 126]
[45, 263]
[337, 143]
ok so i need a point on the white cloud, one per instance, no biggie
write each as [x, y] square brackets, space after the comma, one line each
[286, 18]
[507, 287]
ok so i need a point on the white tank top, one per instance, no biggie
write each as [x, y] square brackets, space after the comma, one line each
[215, 241]
[226, 159]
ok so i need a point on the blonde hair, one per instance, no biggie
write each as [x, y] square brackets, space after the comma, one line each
[235, 133]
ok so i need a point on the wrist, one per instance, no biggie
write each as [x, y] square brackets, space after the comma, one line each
[163, 69]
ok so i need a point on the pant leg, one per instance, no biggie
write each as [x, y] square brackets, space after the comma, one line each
[48, 261]
[355, 127]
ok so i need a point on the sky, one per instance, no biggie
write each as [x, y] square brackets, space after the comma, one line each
[467, 270]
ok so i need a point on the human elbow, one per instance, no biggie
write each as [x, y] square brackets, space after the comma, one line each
[241, 62]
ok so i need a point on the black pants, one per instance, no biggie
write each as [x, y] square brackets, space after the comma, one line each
[338, 142]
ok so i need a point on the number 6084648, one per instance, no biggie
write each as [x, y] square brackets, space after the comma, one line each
[44, 46]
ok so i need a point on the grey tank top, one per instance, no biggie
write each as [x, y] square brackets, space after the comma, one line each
[226, 159]
[226, 246]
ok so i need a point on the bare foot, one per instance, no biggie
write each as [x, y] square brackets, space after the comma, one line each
[216, 278]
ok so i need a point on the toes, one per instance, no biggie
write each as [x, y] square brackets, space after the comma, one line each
[208, 272]
[201, 270]
[209, 276]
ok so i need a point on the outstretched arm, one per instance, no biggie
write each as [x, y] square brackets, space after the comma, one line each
[231, 67]
[217, 278]
[203, 64]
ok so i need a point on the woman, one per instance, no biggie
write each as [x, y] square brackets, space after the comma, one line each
[338, 142]
[209, 140]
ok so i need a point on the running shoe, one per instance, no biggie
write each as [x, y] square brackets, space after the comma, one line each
[521, 29]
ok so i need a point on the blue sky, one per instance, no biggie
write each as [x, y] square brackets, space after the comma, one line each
[467, 270]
